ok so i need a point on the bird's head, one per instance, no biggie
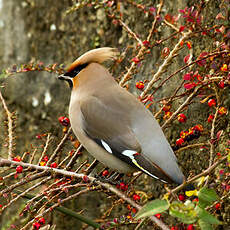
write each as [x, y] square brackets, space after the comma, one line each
[96, 55]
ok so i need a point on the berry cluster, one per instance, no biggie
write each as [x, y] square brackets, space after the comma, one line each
[38, 224]
[186, 136]
[140, 85]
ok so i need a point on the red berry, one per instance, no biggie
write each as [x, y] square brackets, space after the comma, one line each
[190, 227]
[167, 115]
[123, 186]
[198, 128]
[42, 221]
[166, 108]
[221, 84]
[105, 173]
[136, 197]
[189, 45]
[134, 210]
[217, 206]
[174, 228]
[136, 60]
[36, 225]
[140, 85]
[181, 197]
[53, 165]
[195, 200]
[158, 215]
[45, 158]
[19, 169]
[183, 134]
[146, 43]
[181, 28]
[210, 118]
[0, 206]
[212, 102]
[17, 158]
[85, 179]
[64, 120]
[179, 141]
[182, 118]
[39, 137]
[223, 111]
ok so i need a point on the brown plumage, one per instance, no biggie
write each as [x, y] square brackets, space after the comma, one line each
[97, 55]
[113, 125]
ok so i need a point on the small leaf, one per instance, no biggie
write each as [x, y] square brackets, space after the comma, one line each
[206, 197]
[187, 76]
[185, 213]
[205, 216]
[204, 225]
[152, 208]
[189, 85]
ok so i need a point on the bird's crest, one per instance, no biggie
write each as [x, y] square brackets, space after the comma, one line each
[96, 55]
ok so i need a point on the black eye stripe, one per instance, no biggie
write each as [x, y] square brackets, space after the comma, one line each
[76, 70]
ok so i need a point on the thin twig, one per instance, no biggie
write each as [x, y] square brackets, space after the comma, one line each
[26, 191]
[10, 124]
[142, 50]
[189, 98]
[24, 180]
[56, 205]
[204, 173]
[5, 162]
[190, 147]
[164, 65]
[131, 32]
[46, 146]
[59, 146]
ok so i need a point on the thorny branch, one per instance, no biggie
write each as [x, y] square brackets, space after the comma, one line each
[10, 125]
[37, 175]
[45, 169]
[127, 76]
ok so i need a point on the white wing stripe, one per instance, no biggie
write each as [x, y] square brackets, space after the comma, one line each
[130, 154]
[106, 146]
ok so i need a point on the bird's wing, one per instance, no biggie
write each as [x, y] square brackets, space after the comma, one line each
[109, 126]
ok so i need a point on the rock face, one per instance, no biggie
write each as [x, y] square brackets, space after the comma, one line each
[42, 31]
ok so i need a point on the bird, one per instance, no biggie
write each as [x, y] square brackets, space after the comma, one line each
[113, 125]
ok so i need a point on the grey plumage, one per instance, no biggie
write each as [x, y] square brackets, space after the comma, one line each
[101, 112]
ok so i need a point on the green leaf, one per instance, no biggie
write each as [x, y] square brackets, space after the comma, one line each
[185, 212]
[204, 225]
[206, 217]
[206, 197]
[152, 208]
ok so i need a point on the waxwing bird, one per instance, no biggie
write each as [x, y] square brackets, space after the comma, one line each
[113, 125]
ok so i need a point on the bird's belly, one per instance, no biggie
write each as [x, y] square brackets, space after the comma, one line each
[97, 151]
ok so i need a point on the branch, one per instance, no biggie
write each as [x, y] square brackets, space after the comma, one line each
[131, 32]
[182, 106]
[45, 169]
[10, 127]
[204, 173]
[166, 62]
[143, 48]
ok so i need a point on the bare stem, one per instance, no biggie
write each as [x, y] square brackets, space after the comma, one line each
[164, 65]
[10, 127]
